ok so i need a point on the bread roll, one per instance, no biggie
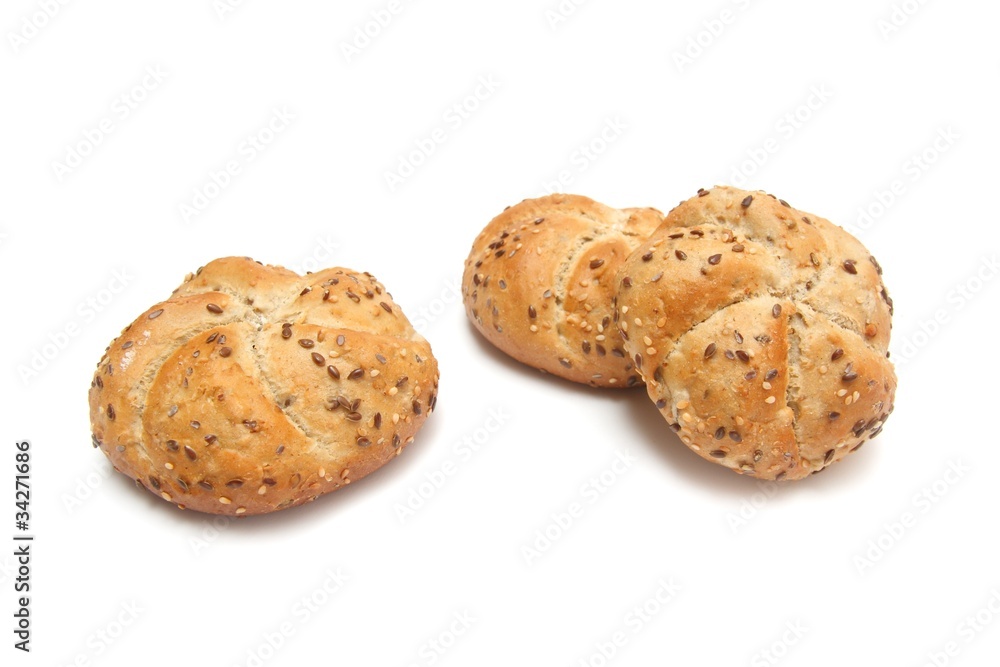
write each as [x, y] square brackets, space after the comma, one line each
[253, 389]
[761, 331]
[539, 282]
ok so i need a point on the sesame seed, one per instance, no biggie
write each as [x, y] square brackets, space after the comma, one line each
[683, 405]
[770, 399]
[224, 500]
[766, 386]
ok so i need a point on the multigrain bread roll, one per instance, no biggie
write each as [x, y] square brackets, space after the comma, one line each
[254, 389]
[761, 331]
[539, 282]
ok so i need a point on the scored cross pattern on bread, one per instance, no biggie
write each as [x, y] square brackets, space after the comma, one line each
[253, 389]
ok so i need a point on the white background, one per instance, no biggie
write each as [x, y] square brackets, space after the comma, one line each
[749, 562]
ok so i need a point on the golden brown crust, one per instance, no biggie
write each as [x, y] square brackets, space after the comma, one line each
[254, 389]
[539, 282]
[761, 331]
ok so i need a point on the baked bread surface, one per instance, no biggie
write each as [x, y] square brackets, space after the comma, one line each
[253, 389]
[761, 332]
[539, 282]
